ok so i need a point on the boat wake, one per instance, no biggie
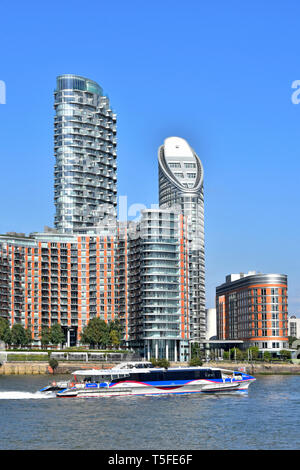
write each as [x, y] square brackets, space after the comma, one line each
[14, 395]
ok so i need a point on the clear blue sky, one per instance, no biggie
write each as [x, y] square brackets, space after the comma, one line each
[216, 73]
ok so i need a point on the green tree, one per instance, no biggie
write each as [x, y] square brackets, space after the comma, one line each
[195, 361]
[115, 333]
[236, 353]
[56, 334]
[19, 336]
[195, 350]
[115, 325]
[232, 354]
[163, 363]
[4, 325]
[267, 356]
[29, 335]
[114, 338]
[160, 362]
[240, 355]
[7, 337]
[5, 332]
[45, 336]
[53, 363]
[285, 354]
[291, 340]
[253, 352]
[96, 333]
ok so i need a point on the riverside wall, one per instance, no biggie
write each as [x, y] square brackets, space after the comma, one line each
[35, 368]
[259, 367]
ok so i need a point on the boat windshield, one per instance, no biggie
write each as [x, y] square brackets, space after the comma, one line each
[97, 378]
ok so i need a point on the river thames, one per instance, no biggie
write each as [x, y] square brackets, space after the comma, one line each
[266, 418]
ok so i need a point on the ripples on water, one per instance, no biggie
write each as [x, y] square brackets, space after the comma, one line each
[267, 417]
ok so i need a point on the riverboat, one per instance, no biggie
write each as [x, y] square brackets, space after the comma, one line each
[121, 381]
[62, 385]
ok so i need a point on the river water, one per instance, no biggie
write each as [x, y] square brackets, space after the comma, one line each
[267, 417]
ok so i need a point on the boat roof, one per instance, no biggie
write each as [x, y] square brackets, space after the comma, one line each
[89, 372]
[94, 372]
[130, 365]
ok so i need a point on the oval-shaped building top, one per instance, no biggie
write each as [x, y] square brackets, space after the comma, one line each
[180, 163]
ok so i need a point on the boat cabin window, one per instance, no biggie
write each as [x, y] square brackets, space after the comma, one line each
[195, 374]
[144, 366]
[96, 379]
[172, 375]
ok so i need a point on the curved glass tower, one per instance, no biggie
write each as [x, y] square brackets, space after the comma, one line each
[85, 151]
[181, 186]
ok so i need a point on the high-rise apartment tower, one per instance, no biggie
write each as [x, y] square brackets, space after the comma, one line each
[85, 151]
[181, 185]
